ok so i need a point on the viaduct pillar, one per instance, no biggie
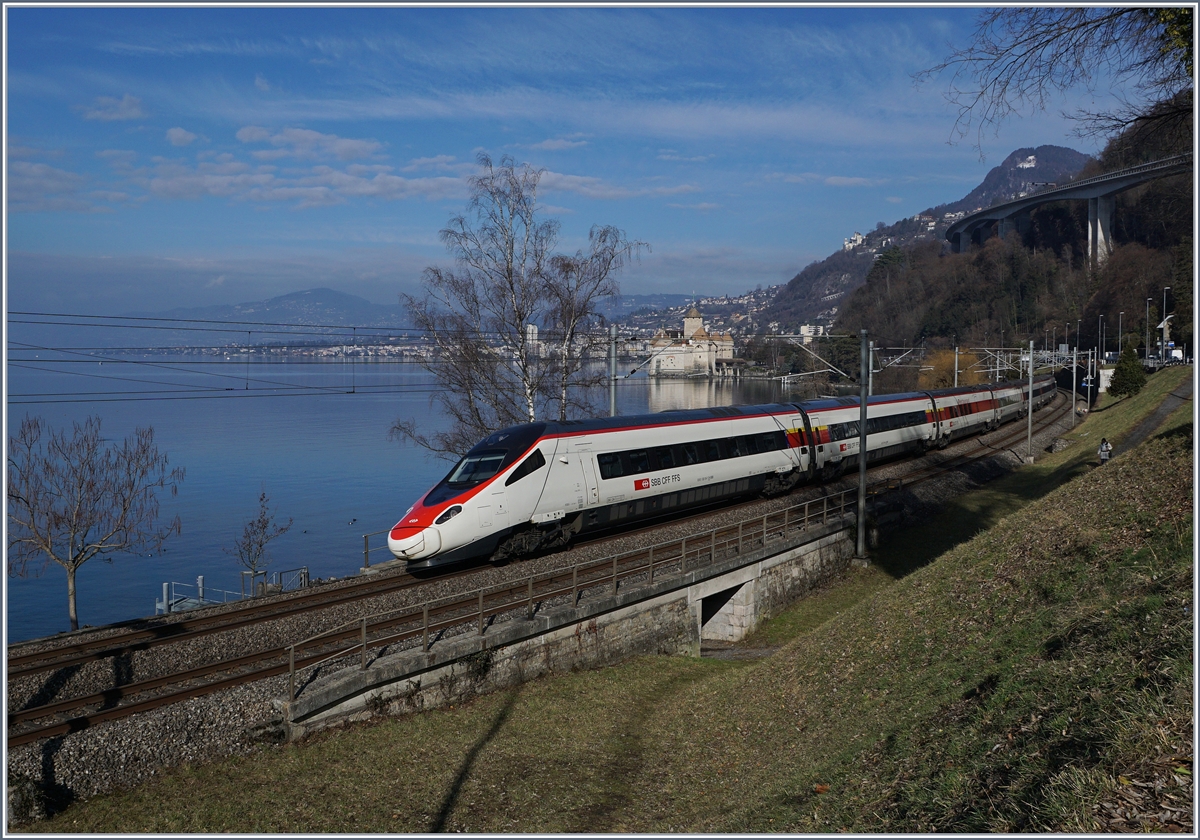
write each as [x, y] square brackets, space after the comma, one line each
[1100, 213]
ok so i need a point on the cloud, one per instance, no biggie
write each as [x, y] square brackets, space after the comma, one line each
[843, 181]
[252, 134]
[671, 154]
[306, 144]
[894, 199]
[261, 83]
[440, 163]
[109, 109]
[592, 187]
[39, 187]
[827, 180]
[706, 205]
[179, 136]
[558, 145]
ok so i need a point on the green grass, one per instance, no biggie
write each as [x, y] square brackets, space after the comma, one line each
[1016, 679]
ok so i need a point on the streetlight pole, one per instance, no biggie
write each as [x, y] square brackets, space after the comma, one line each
[1147, 352]
[1120, 326]
[1162, 356]
[1099, 339]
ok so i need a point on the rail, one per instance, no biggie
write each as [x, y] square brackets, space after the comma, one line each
[479, 608]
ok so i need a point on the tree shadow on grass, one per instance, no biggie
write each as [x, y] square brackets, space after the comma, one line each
[464, 772]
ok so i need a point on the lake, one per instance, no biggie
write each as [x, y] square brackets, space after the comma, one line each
[312, 434]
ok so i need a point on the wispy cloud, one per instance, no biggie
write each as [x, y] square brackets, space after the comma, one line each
[306, 144]
[592, 187]
[705, 205]
[179, 136]
[39, 187]
[557, 144]
[109, 109]
[671, 154]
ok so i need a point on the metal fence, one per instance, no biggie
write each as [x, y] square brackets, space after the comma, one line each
[478, 609]
[185, 596]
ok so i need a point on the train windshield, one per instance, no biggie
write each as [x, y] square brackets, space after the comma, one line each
[496, 453]
[477, 467]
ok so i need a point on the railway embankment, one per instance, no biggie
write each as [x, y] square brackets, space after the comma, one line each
[732, 746]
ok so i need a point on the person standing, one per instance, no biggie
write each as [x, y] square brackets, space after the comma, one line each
[1105, 451]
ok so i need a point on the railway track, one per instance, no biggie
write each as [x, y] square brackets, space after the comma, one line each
[60, 717]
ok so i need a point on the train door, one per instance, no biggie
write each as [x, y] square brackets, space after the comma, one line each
[590, 479]
[936, 437]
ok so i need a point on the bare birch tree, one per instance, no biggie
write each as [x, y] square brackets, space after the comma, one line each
[71, 498]
[490, 369]
[575, 286]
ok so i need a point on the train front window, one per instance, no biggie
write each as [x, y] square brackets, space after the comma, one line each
[477, 467]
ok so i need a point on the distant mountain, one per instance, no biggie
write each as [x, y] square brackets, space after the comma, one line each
[622, 306]
[1022, 172]
[816, 294]
[313, 306]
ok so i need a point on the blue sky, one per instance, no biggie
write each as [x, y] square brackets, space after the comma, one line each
[189, 156]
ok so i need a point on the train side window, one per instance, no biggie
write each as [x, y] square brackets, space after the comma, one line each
[768, 441]
[530, 465]
[737, 447]
[691, 454]
[710, 450]
[639, 461]
[666, 458]
[610, 465]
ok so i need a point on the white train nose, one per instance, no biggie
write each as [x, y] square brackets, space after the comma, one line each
[421, 544]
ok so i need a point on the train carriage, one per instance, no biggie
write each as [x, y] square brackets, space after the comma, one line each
[536, 486]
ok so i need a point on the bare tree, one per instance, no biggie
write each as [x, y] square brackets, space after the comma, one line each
[71, 498]
[481, 318]
[250, 548]
[575, 286]
[1020, 57]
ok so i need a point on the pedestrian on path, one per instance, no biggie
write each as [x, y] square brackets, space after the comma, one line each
[1105, 451]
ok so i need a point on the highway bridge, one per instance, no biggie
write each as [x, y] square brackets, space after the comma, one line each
[1099, 192]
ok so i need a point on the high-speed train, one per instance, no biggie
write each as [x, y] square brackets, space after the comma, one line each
[534, 487]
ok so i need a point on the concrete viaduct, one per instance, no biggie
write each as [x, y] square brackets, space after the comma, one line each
[1099, 192]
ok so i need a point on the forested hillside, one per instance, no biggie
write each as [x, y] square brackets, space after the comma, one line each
[825, 285]
[1039, 284]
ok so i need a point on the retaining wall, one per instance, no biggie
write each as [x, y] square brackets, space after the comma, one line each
[668, 617]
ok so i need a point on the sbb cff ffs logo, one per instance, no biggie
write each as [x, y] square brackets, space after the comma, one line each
[641, 484]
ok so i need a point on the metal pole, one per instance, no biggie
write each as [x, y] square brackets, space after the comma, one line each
[1146, 353]
[1029, 425]
[956, 367]
[1091, 380]
[364, 643]
[366, 551]
[612, 371]
[1162, 354]
[861, 546]
[1074, 371]
[1120, 338]
[871, 370]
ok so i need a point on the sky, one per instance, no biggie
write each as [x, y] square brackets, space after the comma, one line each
[182, 157]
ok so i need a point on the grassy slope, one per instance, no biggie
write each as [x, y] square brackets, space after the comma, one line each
[1030, 678]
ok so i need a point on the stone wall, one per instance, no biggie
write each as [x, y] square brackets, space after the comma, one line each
[666, 618]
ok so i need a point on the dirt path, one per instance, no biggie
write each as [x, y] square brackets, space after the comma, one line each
[1148, 426]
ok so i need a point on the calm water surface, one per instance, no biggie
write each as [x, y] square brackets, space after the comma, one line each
[312, 435]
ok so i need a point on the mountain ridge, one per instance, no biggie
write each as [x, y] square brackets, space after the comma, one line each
[817, 292]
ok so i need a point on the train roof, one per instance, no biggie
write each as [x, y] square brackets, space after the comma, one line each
[665, 418]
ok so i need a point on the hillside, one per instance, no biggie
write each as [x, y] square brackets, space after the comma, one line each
[1037, 677]
[820, 290]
